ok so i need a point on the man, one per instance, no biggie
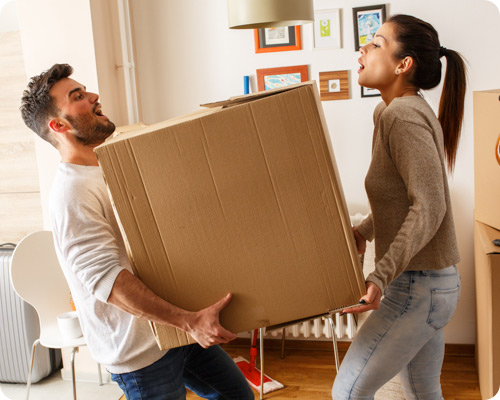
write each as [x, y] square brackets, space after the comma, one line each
[113, 305]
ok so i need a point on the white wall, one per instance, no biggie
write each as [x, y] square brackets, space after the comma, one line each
[187, 56]
[8, 16]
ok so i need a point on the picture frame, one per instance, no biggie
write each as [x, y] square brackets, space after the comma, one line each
[367, 20]
[334, 85]
[283, 38]
[327, 32]
[368, 92]
[272, 78]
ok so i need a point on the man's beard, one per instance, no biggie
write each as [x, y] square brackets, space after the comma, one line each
[89, 131]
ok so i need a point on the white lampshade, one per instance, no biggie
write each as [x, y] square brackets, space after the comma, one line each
[250, 14]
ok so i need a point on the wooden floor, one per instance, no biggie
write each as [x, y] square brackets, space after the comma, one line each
[308, 370]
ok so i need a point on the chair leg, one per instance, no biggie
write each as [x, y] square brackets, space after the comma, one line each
[283, 338]
[100, 373]
[335, 347]
[261, 334]
[28, 384]
[75, 349]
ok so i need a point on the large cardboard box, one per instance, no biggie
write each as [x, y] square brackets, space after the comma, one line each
[241, 197]
[487, 157]
[487, 260]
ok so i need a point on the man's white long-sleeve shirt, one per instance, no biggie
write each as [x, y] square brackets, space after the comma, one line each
[92, 253]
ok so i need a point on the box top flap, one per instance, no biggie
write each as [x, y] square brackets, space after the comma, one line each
[129, 128]
[487, 234]
[253, 96]
[129, 131]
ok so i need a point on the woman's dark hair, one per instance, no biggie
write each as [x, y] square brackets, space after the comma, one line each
[419, 40]
[37, 106]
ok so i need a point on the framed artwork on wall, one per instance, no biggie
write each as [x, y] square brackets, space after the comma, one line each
[367, 20]
[327, 29]
[283, 38]
[272, 78]
[334, 85]
[367, 92]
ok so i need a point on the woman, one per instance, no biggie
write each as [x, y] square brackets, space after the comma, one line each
[411, 219]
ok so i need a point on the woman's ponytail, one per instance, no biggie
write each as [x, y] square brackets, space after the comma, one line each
[451, 105]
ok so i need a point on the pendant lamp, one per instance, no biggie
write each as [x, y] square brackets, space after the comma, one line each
[251, 14]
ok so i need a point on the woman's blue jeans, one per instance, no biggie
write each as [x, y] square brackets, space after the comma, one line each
[404, 336]
[210, 373]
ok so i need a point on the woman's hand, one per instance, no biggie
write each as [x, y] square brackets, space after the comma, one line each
[360, 241]
[370, 301]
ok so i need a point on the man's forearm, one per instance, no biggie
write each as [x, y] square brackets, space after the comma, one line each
[131, 295]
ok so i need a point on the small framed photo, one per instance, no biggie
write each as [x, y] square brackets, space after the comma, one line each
[367, 20]
[327, 29]
[367, 92]
[334, 85]
[283, 38]
[272, 78]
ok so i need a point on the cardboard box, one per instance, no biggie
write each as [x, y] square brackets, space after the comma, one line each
[487, 260]
[487, 157]
[242, 197]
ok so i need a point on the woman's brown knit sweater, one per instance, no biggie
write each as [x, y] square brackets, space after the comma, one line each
[411, 217]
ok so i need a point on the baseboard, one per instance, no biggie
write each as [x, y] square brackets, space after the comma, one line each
[451, 349]
[460, 350]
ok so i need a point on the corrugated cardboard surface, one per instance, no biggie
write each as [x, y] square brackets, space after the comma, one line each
[487, 156]
[243, 199]
[487, 260]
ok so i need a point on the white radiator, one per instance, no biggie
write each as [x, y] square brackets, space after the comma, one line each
[344, 328]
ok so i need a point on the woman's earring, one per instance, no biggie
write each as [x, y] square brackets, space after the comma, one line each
[397, 72]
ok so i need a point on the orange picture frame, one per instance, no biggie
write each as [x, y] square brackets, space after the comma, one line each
[271, 78]
[291, 40]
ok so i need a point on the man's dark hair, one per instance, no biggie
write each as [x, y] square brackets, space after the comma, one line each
[37, 106]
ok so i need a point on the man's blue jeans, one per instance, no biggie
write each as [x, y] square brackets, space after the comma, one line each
[404, 336]
[210, 373]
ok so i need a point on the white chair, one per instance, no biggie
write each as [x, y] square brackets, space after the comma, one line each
[3, 396]
[38, 279]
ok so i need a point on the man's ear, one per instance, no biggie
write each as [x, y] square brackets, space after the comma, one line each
[59, 125]
[405, 66]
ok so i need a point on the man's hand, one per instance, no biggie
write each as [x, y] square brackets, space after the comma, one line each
[370, 301]
[204, 325]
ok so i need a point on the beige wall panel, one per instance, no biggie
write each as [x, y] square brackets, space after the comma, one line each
[20, 214]
[17, 163]
[20, 204]
[17, 149]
